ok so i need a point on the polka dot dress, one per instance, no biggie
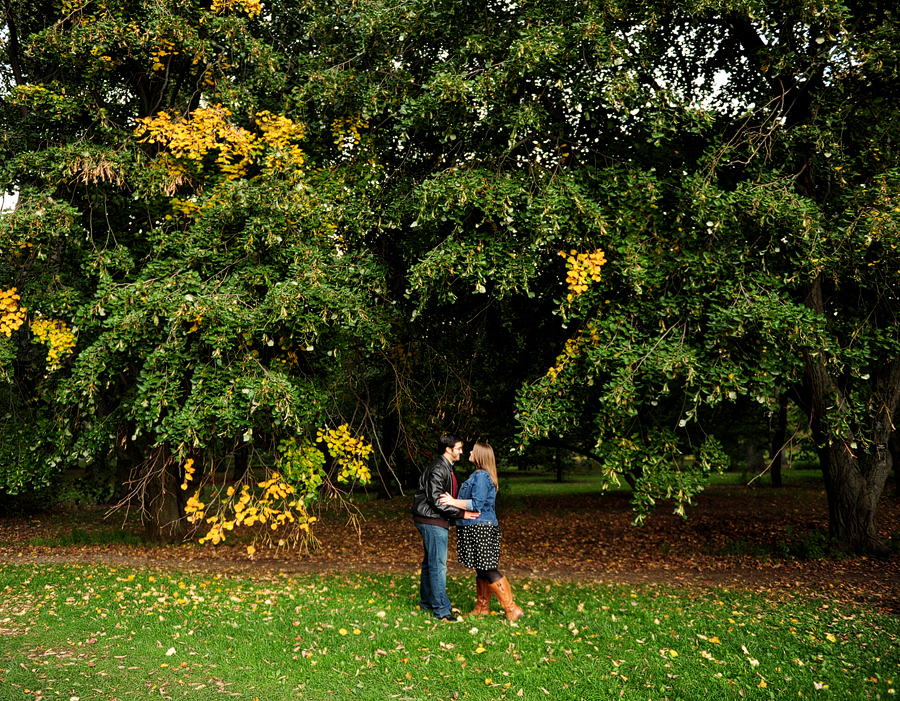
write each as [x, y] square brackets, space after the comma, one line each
[478, 546]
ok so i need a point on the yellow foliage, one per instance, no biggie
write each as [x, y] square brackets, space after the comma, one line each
[194, 508]
[351, 453]
[251, 7]
[188, 472]
[275, 502]
[589, 336]
[269, 506]
[57, 336]
[582, 267]
[208, 131]
[346, 132]
[279, 134]
[12, 316]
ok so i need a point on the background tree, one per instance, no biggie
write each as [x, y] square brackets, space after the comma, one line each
[758, 255]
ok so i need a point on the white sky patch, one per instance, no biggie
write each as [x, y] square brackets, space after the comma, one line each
[8, 203]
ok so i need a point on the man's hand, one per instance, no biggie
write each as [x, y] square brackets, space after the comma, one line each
[471, 515]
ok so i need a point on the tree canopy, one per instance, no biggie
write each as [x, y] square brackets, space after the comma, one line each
[594, 223]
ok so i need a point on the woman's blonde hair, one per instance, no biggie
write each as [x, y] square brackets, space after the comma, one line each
[483, 457]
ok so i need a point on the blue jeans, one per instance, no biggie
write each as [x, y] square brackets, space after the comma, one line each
[433, 581]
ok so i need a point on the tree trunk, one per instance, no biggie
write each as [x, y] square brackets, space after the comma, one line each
[754, 462]
[559, 465]
[128, 458]
[778, 441]
[854, 484]
[855, 459]
[240, 462]
[386, 460]
[894, 449]
[162, 498]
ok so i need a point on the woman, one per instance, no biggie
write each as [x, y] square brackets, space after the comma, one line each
[478, 540]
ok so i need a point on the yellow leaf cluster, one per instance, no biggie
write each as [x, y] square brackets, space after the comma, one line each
[279, 134]
[194, 508]
[582, 267]
[208, 131]
[57, 336]
[12, 316]
[188, 472]
[589, 336]
[251, 7]
[346, 132]
[166, 48]
[350, 453]
[273, 507]
[276, 502]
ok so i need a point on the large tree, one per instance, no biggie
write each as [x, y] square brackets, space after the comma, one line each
[736, 164]
[753, 244]
[186, 288]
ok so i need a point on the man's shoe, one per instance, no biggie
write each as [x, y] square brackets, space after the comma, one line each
[449, 618]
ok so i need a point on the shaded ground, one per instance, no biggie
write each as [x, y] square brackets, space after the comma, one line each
[735, 537]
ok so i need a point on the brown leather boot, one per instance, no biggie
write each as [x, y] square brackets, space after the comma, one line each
[482, 598]
[503, 592]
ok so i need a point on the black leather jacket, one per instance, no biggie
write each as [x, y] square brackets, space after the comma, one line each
[436, 479]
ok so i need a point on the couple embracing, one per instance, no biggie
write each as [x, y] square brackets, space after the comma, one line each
[435, 509]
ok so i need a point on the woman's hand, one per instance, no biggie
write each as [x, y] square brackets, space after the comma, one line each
[471, 515]
[446, 500]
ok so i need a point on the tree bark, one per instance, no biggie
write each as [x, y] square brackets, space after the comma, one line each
[240, 462]
[855, 459]
[778, 441]
[389, 446]
[855, 463]
[894, 449]
[162, 498]
[754, 462]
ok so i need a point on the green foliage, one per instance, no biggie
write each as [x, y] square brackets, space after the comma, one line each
[191, 292]
[258, 223]
[302, 464]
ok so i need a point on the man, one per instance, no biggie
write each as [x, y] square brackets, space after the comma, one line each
[432, 519]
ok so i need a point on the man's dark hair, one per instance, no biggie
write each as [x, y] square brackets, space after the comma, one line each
[447, 441]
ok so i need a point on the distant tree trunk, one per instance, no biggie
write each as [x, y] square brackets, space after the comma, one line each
[559, 465]
[128, 458]
[387, 462]
[162, 498]
[778, 440]
[240, 462]
[894, 449]
[754, 462]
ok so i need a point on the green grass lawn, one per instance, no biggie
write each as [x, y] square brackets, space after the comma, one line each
[99, 633]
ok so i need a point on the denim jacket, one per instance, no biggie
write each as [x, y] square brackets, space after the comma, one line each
[480, 494]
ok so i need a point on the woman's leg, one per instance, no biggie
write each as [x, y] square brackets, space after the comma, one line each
[490, 576]
[482, 595]
[503, 591]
